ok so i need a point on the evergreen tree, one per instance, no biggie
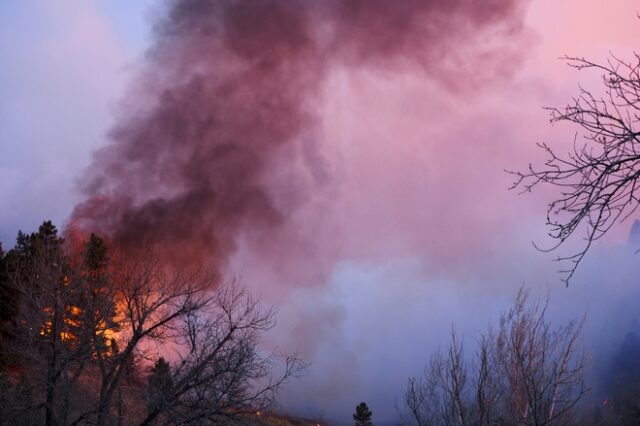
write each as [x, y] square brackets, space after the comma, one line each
[61, 317]
[93, 314]
[75, 368]
[160, 385]
[40, 271]
[362, 416]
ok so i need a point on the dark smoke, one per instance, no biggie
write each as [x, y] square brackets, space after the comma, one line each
[227, 98]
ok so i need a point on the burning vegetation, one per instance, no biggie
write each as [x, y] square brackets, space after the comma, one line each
[95, 338]
[218, 140]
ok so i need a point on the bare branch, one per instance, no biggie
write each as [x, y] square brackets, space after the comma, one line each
[597, 180]
[527, 373]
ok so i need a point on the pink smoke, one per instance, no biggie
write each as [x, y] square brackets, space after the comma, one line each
[222, 135]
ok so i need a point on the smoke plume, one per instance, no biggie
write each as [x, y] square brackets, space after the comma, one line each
[218, 134]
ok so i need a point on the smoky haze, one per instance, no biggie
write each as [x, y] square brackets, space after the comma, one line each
[225, 154]
[219, 132]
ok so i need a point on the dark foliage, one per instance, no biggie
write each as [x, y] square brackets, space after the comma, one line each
[80, 326]
[362, 416]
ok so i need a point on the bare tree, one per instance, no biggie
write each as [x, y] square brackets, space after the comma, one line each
[87, 328]
[219, 372]
[453, 391]
[422, 398]
[598, 179]
[209, 332]
[527, 373]
[542, 368]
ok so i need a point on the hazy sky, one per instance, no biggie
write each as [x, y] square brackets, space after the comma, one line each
[413, 228]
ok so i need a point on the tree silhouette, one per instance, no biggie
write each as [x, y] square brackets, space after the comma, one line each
[84, 320]
[598, 179]
[160, 385]
[526, 373]
[362, 416]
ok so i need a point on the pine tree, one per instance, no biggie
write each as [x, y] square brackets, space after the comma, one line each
[95, 306]
[160, 385]
[362, 416]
